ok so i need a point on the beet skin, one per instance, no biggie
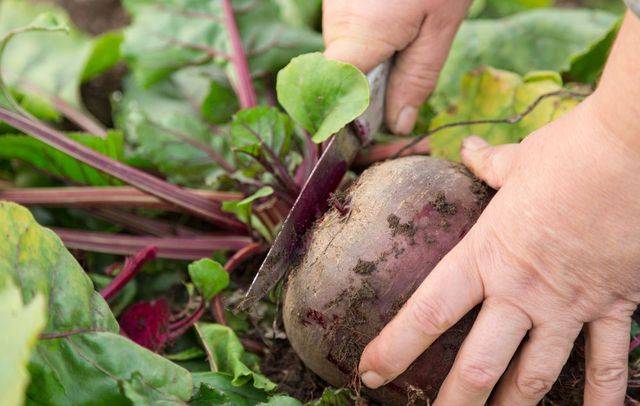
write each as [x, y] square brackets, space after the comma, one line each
[361, 266]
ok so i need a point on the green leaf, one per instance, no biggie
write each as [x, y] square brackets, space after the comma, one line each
[219, 385]
[52, 62]
[494, 94]
[243, 209]
[334, 397]
[543, 39]
[20, 327]
[501, 8]
[209, 277]
[164, 129]
[206, 396]
[168, 35]
[38, 154]
[104, 55]
[301, 13]
[587, 66]
[225, 353]
[47, 22]
[82, 358]
[322, 95]
[123, 299]
[274, 128]
[281, 400]
[220, 104]
[186, 355]
[140, 393]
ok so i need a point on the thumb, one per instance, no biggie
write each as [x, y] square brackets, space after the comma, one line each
[489, 163]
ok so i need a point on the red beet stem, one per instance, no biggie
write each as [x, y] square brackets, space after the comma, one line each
[244, 85]
[131, 267]
[178, 328]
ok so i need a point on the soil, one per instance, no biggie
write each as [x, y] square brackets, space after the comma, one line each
[347, 346]
[442, 206]
[284, 367]
[94, 16]
[364, 267]
[407, 229]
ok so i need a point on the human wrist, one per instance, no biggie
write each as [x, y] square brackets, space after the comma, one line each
[615, 101]
[614, 118]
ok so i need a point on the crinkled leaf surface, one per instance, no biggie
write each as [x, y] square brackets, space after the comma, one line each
[52, 63]
[166, 130]
[167, 35]
[140, 393]
[542, 39]
[495, 94]
[220, 103]
[334, 397]
[218, 385]
[322, 95]
[225, 355]
[104, 55]
[209, 277]
[20, 327]
[253, 127]
[40, 155]
[90, 359]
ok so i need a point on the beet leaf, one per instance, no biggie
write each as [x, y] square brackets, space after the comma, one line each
[81, 336]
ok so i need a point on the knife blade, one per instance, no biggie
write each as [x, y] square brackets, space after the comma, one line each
[324, 180]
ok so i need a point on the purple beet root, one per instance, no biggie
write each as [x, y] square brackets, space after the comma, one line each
[361, 266]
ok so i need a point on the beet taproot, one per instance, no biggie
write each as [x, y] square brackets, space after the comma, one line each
[362, 264]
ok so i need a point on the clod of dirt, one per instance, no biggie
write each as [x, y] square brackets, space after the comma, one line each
[442, 206]
[364, 267]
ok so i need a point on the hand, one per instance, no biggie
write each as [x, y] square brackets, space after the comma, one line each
[557, 248]
[367, 32]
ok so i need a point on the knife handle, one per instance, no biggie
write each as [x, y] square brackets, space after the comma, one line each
[371, 120]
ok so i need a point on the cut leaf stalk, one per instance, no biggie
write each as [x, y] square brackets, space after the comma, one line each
[187, 248]
[143, 181]
[244, 85]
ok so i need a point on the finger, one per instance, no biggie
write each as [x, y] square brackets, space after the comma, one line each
[485, 354]
[492, 164]
[537, 365]
[361, 33]
[447, 294]
[416, 69]
[607, 349]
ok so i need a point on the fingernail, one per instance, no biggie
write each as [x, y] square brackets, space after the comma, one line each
[406, 120]
[372, 380]
[473, 143]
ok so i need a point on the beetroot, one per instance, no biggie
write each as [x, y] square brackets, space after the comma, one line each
[363, 264]
[368, 255]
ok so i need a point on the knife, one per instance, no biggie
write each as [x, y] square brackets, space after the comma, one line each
[324, 180]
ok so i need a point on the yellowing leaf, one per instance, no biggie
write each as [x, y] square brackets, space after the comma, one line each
[83, 358]
[20, 326]
[495, 94]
